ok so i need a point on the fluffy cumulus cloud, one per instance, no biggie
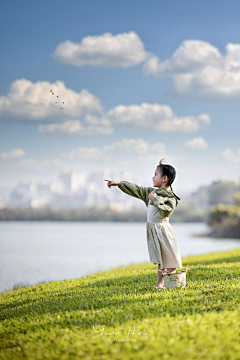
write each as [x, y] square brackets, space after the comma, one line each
[155, 116]
[197, 143]
[82, 113]
[35, 101]
[90, 125]
[107, 50]
[158, 117]
[124, 147]
[13, 154]
[199, 70]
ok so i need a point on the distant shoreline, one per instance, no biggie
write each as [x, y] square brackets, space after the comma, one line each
[91, 214]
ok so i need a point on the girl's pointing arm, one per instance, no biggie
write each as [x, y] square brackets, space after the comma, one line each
[136, 191]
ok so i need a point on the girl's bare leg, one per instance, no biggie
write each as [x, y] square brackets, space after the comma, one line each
[160, 279]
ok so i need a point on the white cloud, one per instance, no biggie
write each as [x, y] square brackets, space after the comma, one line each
[107, 50]
[84, 153]
[39, 164]
[200, 71]
[119, 149]
[158, 117]
[196, 143]
[229, 155]
[190, 56]
[91, 125]
[136, 146]
[126, 152]
[35, 101]
[13, 154]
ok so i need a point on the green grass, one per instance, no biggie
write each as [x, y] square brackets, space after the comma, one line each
[56, 320]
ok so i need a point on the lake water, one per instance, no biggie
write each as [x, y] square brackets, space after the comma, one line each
[34, 252]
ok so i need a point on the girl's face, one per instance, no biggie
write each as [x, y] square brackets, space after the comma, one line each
[159, 180]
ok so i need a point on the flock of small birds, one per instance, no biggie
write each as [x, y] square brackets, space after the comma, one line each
[57, 97]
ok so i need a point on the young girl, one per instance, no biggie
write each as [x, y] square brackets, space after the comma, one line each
[161, 239]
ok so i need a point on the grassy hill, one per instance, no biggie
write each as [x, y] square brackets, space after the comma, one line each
[94, 317]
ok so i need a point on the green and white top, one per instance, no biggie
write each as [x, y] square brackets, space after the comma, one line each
[165, 202]
[161, 239]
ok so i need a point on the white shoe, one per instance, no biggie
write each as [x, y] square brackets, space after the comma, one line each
[160, 288]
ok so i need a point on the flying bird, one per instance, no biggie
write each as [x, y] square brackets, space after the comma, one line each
[61, 108]
[57, 95]
[55, 102]
[50, 90]
[63, 102]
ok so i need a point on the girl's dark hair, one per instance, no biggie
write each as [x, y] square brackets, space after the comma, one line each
[170, 172]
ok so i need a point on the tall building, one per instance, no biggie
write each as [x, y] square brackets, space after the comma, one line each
[72, 181]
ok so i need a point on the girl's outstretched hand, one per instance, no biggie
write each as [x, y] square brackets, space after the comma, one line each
[112, 183]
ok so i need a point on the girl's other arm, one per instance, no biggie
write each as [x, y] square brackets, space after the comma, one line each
[164, 206]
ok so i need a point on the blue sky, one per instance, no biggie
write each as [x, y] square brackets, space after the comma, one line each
[184, 57]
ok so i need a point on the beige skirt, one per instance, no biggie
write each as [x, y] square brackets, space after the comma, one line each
[162, 245]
